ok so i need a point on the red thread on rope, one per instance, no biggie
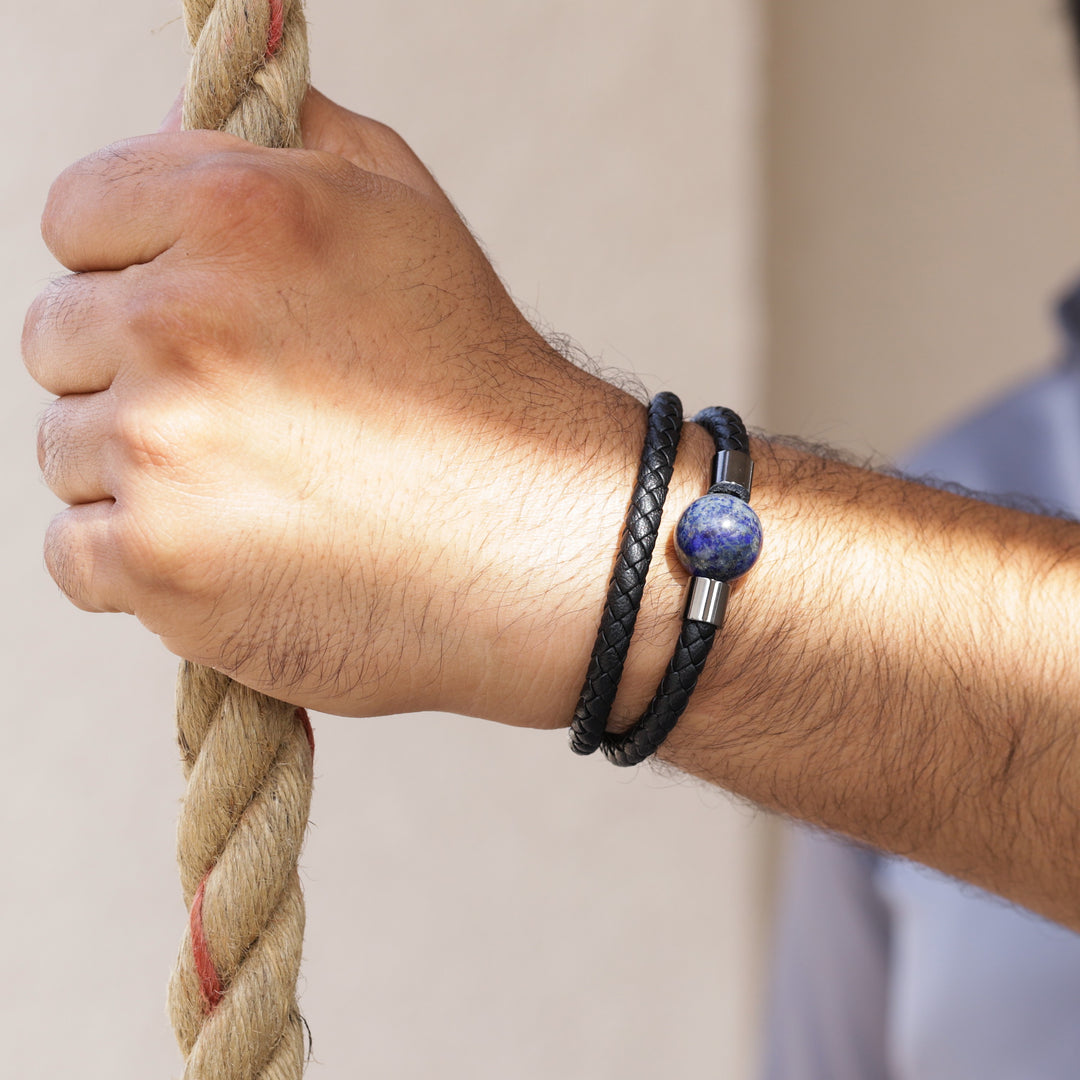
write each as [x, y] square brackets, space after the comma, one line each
[277, 24]
[302, 716]
[209, 980]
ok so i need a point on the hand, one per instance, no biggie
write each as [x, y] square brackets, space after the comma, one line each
[306, 437]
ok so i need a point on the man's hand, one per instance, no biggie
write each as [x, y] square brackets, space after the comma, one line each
[306, 436]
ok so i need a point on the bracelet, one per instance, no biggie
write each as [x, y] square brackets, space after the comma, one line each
[628, 578]
[718, 538]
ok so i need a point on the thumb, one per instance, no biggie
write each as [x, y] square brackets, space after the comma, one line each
[368, 144]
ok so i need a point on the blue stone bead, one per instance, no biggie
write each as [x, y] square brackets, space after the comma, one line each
[718, 537]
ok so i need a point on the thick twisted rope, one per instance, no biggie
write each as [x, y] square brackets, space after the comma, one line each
[247, 757]
[249, 72]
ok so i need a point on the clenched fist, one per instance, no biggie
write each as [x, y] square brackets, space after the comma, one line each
[307, 438]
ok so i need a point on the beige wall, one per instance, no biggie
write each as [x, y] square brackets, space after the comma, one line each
[923, 179]
[481, 903]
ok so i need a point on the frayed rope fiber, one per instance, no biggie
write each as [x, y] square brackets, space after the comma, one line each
[249, 71]
[247, 757]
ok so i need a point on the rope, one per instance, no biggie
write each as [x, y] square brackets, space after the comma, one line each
[247, 758]
[249, 72]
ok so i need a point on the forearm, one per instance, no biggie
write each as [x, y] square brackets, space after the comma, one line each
[899, 666]
[902, 666]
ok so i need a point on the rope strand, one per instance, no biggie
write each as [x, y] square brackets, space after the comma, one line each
[247, 758]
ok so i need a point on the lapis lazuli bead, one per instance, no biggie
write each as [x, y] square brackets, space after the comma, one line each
[718, 537]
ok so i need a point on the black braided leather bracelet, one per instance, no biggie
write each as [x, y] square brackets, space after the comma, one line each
[718, 539]
[628, 578]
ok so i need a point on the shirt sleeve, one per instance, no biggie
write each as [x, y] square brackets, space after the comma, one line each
[827, 1007]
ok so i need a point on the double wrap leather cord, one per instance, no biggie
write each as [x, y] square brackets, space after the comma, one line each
[729, 433]
[672, 696]
[696, 638]
[587, 728]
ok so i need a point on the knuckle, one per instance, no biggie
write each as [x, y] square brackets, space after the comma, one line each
[248, 193]
[158, 454]
[153, 316]
[183, 321]
[147, 314]
[148, 439]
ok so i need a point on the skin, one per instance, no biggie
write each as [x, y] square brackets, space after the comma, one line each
[305, 436]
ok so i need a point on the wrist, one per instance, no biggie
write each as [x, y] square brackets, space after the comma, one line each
[525, 654]
[534, 655]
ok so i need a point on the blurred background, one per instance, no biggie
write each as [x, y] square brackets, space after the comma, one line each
[845, 218]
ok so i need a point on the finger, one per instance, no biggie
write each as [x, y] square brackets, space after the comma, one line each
[132, 201]
[366, 143]
[80, 554]
[72, 436]
[71, 342]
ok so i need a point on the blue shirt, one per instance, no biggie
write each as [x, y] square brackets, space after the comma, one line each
[884, 970]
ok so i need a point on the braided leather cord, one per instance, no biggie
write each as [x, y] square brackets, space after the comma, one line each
[670, 700]
[726, 428]
[695, 641]
[628, 578]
